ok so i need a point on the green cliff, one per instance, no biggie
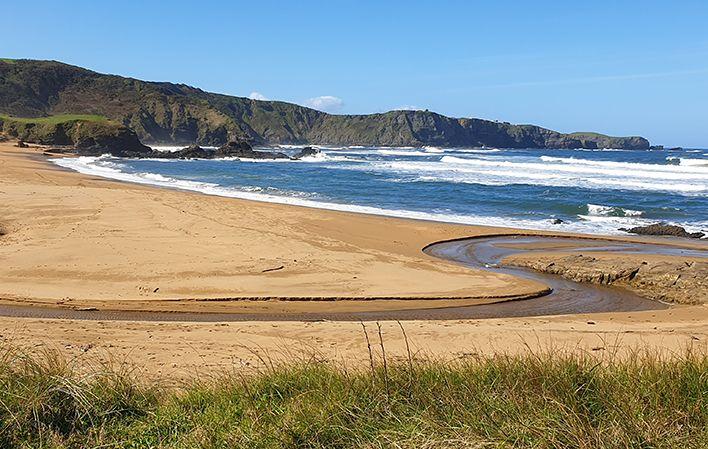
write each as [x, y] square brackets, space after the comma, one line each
[177, 113]
[87, 133]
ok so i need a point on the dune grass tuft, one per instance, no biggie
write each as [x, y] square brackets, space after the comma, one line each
[551, 400]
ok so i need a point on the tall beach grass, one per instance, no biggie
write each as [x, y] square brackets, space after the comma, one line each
[549, 400]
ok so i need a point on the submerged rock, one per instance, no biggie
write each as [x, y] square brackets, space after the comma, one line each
[664, 229]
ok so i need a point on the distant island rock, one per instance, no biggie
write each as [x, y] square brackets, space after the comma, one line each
[168, 113]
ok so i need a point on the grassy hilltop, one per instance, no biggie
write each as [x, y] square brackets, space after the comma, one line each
[167, 112]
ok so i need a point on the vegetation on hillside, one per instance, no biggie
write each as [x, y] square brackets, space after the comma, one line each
[166, 112]
[550, 400]
[55, 119]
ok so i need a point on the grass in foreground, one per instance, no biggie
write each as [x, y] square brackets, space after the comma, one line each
[56, 119]
[539, 401]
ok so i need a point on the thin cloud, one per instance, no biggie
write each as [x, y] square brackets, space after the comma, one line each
[325, 103]
[258, 96]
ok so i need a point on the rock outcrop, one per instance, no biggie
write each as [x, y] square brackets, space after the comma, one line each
[85, 137]
[668, 279]
[665, 230]
[236, 149]
[169, 113]
[306, 152]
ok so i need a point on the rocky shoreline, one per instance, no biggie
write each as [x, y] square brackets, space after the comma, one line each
[235, 149]
[674, 280]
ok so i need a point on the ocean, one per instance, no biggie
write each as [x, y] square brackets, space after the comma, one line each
[590, 191]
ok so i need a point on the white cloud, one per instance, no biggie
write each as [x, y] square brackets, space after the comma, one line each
[257, 96]
[326, 103]
[406, 107]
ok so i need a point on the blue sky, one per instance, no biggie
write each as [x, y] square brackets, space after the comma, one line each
[618, 67]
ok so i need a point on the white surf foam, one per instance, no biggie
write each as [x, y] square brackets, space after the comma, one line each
[496, 170]
[403, 153]
[687, 162]
[665, 170]
[600, 210]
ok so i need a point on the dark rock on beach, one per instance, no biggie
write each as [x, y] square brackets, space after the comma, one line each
[665, 230]
[118, 141]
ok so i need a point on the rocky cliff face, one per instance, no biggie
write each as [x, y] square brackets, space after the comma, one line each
[166, 112]
[88, 137]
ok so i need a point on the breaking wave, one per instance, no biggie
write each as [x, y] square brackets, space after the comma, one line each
[612, 211]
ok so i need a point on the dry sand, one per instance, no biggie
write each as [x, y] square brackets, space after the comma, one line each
[77, 241]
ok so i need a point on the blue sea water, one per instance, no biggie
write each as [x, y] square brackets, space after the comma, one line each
[596, 191]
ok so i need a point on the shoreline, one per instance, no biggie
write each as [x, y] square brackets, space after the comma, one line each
[123, 237]
[582, 224]
[414, 229]
[439, 232]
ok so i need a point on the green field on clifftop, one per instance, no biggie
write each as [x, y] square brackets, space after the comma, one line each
[56, 119]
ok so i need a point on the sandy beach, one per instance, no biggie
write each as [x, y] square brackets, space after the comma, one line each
[75, 241]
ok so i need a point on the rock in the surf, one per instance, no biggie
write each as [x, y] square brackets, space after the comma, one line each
[306, 152]
[235, 149]
[243, 149]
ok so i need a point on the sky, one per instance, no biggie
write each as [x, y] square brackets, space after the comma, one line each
[616, 67]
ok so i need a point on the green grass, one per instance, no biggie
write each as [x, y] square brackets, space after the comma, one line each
[7, 60]
[56, 119]
[534, 401]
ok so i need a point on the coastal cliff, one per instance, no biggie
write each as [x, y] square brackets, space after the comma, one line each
[87, 135]
[177, 113]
